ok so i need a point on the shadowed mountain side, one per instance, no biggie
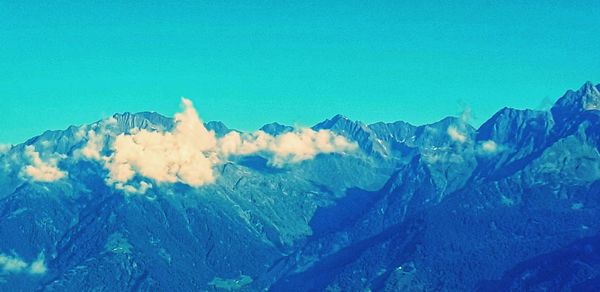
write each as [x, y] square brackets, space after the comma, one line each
[514, 205]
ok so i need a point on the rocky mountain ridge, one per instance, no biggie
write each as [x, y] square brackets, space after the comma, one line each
[442, 206]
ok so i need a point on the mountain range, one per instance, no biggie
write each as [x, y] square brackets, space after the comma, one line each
[511, 205]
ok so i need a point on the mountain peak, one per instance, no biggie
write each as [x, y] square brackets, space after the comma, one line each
[218, 127]
[337, 122]
[143, 120]
[447, 121]
[587, 97]
[516, 126]
[339, 117]
[588, 87]
[276, 128]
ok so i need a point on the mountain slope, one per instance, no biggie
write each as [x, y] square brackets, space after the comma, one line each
[435, 207]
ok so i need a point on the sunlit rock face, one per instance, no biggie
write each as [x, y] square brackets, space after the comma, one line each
[150, 203]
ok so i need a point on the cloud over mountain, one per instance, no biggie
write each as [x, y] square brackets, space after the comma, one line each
[14, 264]
[39, 170]
[186, 154]
[189, 152]
[489, 146]
[456, 135]
[4, 148]
[291, 147]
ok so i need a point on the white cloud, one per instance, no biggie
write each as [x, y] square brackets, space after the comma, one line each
[489, 146]
[110, 122]
[305, 144]
[182, 155]
[5, 148]
[466, 114]
[38, 267]
[130, 189]
[46, 143]
[287, 148]
[93, 147]
[432, 158]
[40, 170]
[80, 134]
[14, 264]
[95, 139]
[189, 153]
[456, 135]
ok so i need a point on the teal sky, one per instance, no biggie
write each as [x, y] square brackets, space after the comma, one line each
[64, 63]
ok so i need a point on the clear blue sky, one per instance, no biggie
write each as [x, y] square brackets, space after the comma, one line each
[74, 62]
